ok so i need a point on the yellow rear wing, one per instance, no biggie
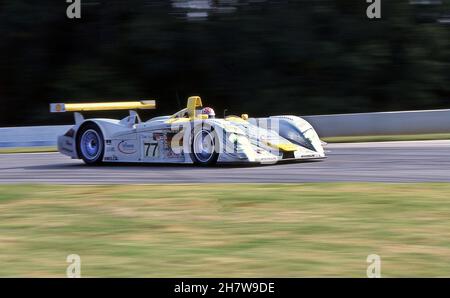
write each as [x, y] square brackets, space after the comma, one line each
[102, 106]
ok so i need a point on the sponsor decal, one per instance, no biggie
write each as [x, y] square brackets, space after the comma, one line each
[158, 136]
[58, 107]
[111, 158]
[164, 141]
[126, 147]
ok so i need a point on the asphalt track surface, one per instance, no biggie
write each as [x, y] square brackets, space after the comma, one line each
[424, 161]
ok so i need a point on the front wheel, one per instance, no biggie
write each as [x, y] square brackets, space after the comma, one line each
[204, 147]
[90, 144]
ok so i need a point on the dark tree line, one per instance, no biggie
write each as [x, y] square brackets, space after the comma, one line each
[262, 58]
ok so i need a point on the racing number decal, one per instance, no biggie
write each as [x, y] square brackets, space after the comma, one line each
[150, 148]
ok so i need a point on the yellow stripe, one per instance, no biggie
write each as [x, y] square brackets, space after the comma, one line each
[283, 146]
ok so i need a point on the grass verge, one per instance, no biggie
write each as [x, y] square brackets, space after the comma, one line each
[269, 230]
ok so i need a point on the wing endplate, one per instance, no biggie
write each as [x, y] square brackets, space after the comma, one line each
[194, 102]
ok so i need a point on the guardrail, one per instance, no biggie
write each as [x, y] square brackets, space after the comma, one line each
[383, 123]
[366, 124]
[31, 136]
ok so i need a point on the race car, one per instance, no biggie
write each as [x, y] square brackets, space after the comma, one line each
[190, 136]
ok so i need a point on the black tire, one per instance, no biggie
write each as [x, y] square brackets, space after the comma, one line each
[207, 159]
[90, 144]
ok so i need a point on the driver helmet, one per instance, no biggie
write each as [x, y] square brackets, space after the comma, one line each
[208, 111]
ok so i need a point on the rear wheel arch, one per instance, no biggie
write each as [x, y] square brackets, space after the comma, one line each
[90, 125]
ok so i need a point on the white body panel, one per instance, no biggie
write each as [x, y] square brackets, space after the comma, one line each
[162, 140]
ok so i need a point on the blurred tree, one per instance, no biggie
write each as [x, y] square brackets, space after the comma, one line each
[264, 57]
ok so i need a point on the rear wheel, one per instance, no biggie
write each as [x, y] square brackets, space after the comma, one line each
[90, 144]
[204, 147]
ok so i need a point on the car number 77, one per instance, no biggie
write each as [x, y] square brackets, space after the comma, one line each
[150, 148]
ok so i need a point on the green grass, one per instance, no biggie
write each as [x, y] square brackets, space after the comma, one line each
[27, 150]
[387, 138]
[270, 230]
